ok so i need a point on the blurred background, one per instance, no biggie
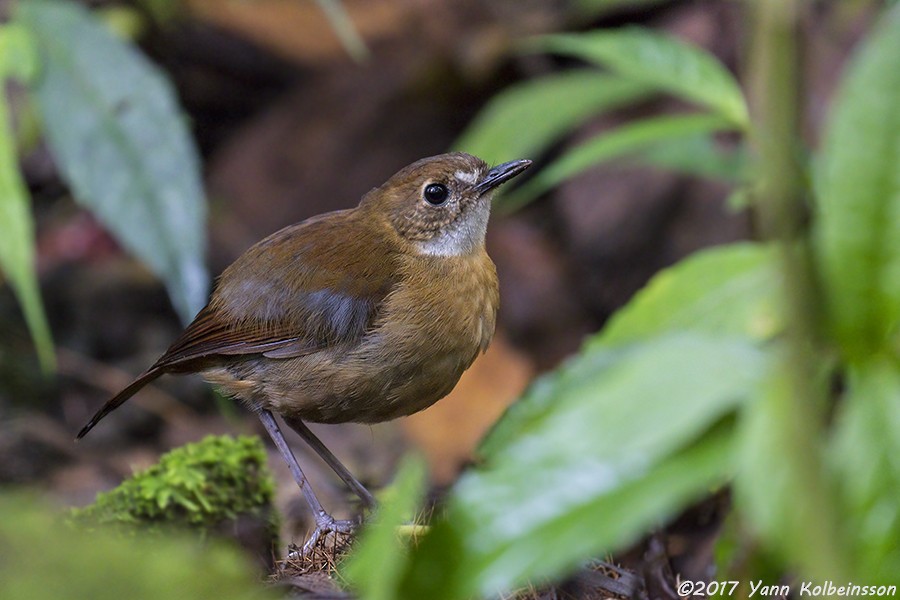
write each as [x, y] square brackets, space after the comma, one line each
[291, 121]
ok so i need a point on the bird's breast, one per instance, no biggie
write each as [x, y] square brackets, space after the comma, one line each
[444, 304]
[433, 325]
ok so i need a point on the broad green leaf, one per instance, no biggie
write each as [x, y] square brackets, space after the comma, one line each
[730, 291]
[19, 62]
[727, 290]
[444, 567]
[118, 137]
[697, 155]
[858, 223]
[620, 447]
[626, 140]
[582, 374]
[524, 119]
[18, 56]
[866, 461]
[658, 60]
[379, 557]
[16, 223]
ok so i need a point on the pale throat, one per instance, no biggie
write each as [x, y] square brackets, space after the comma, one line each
[463, 236]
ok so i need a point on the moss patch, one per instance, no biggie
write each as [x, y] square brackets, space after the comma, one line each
[200, 485]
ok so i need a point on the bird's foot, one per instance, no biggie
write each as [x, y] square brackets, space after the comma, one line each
[325, 524]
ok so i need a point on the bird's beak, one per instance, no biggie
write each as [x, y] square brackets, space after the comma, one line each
[500, 174]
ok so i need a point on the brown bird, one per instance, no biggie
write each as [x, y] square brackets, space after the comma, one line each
[359, 315]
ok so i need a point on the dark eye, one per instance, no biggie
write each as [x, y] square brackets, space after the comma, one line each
[436, 194]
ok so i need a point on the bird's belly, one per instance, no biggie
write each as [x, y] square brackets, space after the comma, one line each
[374, 382]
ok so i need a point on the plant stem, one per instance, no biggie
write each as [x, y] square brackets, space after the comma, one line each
[813, 541]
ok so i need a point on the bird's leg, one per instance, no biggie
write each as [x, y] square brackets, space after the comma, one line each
[325, 523]
[346, 476]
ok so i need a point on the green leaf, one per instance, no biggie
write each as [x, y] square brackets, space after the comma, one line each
[524, 119]
[582, 377]
[658, 60]
[445, 566]
[730, 291]
[727, 290]
[779, 465]
[18, 56]
[698, 155]
[865, 456]
[617, 446]
[858, 225]
[117, 135]
[379, 557]
[16, 222]
[623, 141]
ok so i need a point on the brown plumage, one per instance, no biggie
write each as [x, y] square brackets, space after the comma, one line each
[357, 315]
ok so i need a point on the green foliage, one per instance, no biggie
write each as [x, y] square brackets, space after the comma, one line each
[699, 155]
[525, 119]
[858, 222]
[113, 124]
[381, 555]
[199, 485]
[577, 455]
[43, 558]
[728, 290]
[516, 121]
[629, 139]
[18, 56]
[864, 456]
[723, 369]
[17, 61]
[660, 61]
[116, 133]
[774, 473]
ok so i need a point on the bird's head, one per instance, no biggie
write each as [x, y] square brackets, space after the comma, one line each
[441, 204]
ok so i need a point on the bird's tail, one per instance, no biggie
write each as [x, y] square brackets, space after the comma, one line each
[120, 398]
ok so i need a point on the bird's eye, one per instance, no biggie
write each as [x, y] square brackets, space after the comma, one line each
[436, 194]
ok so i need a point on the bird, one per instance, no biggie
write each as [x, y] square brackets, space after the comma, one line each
[359, 315]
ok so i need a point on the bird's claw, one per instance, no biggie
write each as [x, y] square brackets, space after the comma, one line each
[326, 524]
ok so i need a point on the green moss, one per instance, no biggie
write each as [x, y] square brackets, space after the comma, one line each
[200, 485]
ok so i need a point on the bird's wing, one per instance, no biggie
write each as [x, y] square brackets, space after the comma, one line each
[210, 335]
[290, 295]
[330, 316]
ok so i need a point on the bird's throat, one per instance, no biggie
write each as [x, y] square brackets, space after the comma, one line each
[462, 237]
